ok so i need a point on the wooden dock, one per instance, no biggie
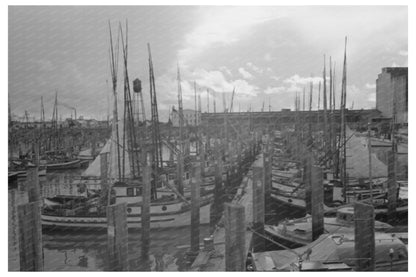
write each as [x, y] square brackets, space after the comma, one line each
[214, 260]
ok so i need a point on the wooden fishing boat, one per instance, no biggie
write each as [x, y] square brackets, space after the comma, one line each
[64, 165]
[334, 252]
[83, 212]
[298, 232]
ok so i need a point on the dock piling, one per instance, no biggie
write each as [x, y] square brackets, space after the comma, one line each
[117, 237]
[145, 213]
[235, 231]
[195, 206]
[258, 208]
[30, 236]
[317, 202]
[391, 185]
[32, 185]
[364, 236]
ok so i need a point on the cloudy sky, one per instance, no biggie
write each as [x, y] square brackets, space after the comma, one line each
[266, 53]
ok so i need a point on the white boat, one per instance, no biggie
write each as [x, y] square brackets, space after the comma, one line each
[164, 213]
[298, 232]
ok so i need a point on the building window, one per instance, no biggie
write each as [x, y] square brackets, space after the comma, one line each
[130, 192]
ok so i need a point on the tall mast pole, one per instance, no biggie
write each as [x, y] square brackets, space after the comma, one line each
[215, 105]
[343, 123]
[181, 146]
[114, 69]
[331, 116]
[325, 109]
[128, 110]
[156, 140]
[207, 100]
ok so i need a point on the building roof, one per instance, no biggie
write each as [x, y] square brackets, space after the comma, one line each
[395, 71]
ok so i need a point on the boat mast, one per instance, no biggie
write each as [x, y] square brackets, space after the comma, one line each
[156, 141]
[207, 100]
[331, 117]
[181, 146]
[128, 112]
[55, 122]
[343, 167]
[114, 69]
[310, 113]
[325, 133]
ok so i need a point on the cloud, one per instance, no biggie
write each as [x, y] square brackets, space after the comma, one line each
[226, 70]
[372, 97]
[221, 27]
[245, 74]
[274, 90]
[403, 53]
[297, 80]
[275, 78]
[267, 57]
[370, 86]
[255, 68]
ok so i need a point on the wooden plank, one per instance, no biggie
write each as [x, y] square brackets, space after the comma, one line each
[234, 237]
[117, 237]
[364, 237]
[30, 237]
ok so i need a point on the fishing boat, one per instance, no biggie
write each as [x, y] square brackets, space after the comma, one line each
[298, 232]
[334, 252]
[85, 212]
[123, 170]
[20, 167]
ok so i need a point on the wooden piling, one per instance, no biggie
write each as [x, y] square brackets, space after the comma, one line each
[307, 180]
[195, 206]
[391, 185]
[32, 185]
[218, 189]
[258, 208]
[202, 158]
[364, 236]
[235, 231]
[179, 175]
[104, 168]
[30, 236]
[117, 237]
[317, 202]
[267, 164]
[145, 213]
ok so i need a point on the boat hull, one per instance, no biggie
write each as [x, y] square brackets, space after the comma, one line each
[179, 219]
[63, 166]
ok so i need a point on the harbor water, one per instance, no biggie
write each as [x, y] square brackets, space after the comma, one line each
[86, 250]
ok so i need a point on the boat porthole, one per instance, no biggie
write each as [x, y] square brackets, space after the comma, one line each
[129, 210]
[164, 208]
[289, 200]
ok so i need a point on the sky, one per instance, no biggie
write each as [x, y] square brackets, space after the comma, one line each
[267, 53]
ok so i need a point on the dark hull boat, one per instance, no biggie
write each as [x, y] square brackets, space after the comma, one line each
[73, 164]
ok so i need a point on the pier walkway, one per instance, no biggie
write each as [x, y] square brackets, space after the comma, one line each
[214, 260]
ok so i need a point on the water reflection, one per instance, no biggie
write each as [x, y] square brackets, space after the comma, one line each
[75, 250]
